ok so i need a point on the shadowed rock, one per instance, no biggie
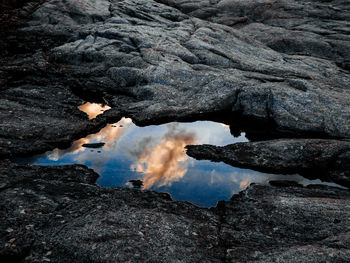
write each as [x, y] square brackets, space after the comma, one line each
[60, 210]
[313, 158]
[34, 120]
[93, 145]
[136, 183]
[59, 214]
[288, 224]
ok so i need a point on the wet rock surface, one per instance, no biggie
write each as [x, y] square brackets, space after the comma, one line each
[313, 158]
[58, 214]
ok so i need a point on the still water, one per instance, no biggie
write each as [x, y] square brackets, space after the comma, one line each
[156, 155]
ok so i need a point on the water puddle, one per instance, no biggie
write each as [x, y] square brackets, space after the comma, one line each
[93, 109]
[156, 155]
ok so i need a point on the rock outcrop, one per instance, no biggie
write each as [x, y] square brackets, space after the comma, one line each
[58, 214]
[313, 158]
[35, 119]
[288, 224]
[155, 63]
[310, 28]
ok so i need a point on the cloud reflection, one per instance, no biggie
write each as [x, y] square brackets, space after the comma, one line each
[109, 135]
[165, 162]
[244, 184]
[93, 109]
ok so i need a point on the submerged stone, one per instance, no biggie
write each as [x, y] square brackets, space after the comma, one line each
[136, 183]
[93, 145]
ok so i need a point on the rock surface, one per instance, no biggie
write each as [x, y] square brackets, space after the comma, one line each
[313, 158]
[35, 120]
[183, 67]
[155, 63]
[280, 65]
[58, 214]
[311, 28]
[289, 224]
[93, 145]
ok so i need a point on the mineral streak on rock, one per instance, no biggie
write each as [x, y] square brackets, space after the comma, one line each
[58, 214]
[313, 158]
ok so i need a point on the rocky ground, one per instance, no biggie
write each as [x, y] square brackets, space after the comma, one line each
[328, 160]
[58, 214]
[275, 69]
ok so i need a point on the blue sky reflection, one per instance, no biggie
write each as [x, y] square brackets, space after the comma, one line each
[156, 155]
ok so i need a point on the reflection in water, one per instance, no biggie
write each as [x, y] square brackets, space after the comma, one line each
[165, 162]
[109, 135]
[93, 109]
[244, 184]
[156, 155]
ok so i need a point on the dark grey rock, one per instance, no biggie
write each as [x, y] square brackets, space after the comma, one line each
[93, 145]
[284, 183]
[136, 183]
[154, 63]
[313, 158]
[192, 68]
[34, 120]
[311, 28]
[288, 224]
[59, 214]
[60, 210]
[285, 63]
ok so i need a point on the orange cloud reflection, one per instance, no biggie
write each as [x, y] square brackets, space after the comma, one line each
[165, 162]
[109, 135]
[93, 109]
[244, 184]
